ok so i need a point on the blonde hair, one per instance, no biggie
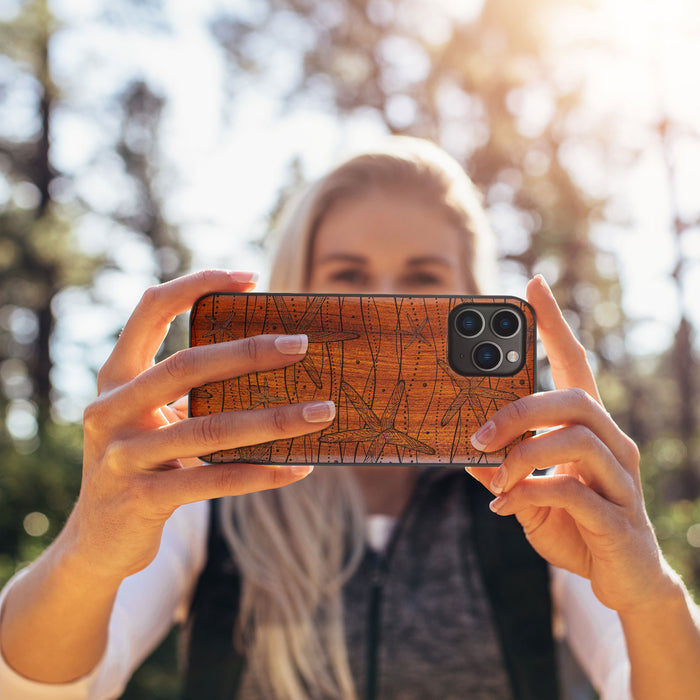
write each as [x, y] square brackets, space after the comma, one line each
[296, 546]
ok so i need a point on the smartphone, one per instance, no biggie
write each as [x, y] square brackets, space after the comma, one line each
[412, 377]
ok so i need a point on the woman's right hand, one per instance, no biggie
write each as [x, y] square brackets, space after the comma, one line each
[139, 454]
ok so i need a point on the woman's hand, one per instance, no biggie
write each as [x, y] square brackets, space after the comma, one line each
[587, 514]
[140, 452]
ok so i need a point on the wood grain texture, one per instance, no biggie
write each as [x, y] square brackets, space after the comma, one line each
[381, 359]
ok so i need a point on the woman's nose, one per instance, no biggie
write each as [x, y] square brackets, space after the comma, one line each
[386, 284]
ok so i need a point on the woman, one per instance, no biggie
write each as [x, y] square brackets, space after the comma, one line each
[406, 220]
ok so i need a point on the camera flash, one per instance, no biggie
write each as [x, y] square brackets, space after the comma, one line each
[513, 356]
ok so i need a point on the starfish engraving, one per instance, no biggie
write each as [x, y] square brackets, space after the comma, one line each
[378, 431]
[220, 329]
[200, 393]
[263, 397]
[415, 333]
[302, 326]
[471, 389]
[255, 454]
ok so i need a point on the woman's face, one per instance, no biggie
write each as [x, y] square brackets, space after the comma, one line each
[386, 244]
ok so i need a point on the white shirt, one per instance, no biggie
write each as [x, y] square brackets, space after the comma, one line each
[149, 602]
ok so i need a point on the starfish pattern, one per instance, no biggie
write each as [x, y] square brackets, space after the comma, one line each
[220, 328]
[377, 431]
[302, 326]
[201, 393]
[471, 389]
[262, 396]
[255, 454]
[415, 333]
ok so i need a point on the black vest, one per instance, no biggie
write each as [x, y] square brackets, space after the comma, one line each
[515, 579]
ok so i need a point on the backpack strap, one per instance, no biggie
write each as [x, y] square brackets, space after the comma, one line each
[214, 667]
[516, 579]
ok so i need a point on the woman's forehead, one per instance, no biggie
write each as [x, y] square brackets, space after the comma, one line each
[411, 228]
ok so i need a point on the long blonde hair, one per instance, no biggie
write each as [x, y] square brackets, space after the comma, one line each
[296, 546]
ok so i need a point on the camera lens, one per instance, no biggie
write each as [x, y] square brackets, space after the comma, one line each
[487, 356]
[505, 323]
[469, 323]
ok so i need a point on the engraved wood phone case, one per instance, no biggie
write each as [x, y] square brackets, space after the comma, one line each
[383, 360]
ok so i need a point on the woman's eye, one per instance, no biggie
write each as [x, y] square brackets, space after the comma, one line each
[350, 276]
[423, 279]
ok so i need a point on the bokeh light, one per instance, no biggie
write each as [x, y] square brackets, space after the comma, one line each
[36, 524]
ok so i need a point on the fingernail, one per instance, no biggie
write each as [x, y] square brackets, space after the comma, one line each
[319, 412]
[243, 276]
[543, 282]
[499, 480]
[292, 344]
[301, 472]
[497, 504]
[484, 435]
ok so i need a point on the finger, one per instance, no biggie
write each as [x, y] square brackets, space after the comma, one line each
[222, 431]
[483, 475]
[584, 505]
[556, 408]
[174, 488]
[148, 324]
[180, 407]
[192, 367]
[582, 451]
[567, 357]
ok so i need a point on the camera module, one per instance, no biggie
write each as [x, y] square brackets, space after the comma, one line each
[486, 337]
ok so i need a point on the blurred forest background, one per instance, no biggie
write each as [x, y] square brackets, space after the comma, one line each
[574, 117]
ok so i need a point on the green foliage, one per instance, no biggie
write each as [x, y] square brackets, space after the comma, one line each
[678, 530]
[38, 476]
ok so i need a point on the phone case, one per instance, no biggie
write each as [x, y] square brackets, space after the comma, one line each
[382, 359]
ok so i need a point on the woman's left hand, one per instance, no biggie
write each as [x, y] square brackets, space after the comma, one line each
[587, 514]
